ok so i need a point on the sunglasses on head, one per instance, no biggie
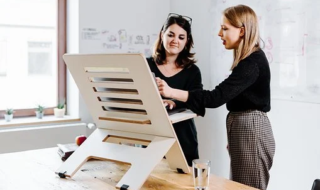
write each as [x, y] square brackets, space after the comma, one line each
[189, 19]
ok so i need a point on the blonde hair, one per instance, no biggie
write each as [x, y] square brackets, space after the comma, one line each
[243, 16]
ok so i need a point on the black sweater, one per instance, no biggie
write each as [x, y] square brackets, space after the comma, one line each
[187, 79]
[246, 88]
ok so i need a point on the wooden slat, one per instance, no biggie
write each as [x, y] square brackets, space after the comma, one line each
[117, 95]
[109, 75]
[124, 111]
[125, 140]
[120, 94]
[106, 69]
[125, 120]
[120, 105]
[123, 85]
[120, 100]
[125, 115]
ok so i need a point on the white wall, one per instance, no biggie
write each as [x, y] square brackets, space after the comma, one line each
[29, 138]
[295, 125]
[296, 130]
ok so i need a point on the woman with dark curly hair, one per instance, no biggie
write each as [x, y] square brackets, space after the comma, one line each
[173, 62]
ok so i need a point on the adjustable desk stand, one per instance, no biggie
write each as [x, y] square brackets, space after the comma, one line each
[121, 94]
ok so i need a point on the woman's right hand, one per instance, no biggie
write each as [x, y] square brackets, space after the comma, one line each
[168, 92]
[164, 89]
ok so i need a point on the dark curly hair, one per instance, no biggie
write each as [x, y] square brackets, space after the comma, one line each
[185, 57]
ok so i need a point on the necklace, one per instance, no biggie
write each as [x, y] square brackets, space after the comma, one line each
[170, 72]
[166, 69]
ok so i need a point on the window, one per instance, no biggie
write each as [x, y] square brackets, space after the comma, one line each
[32, 42]
[3, 58]
[40, 58]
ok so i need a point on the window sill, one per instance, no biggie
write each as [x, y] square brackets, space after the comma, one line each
[35, 121]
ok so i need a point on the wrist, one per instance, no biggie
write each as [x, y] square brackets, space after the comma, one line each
[172, 94]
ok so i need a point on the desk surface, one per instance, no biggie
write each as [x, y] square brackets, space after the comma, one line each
[35, 170]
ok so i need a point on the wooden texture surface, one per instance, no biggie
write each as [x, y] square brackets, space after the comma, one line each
[36, 170]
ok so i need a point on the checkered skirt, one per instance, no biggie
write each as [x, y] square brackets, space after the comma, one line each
[251, 147]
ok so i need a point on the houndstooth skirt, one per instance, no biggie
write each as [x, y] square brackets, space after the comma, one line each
[251, 147]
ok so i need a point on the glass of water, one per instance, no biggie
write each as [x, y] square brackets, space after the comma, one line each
[201, 173]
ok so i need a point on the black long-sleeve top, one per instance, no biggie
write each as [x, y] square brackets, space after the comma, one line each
[246, 88]
[187, 79]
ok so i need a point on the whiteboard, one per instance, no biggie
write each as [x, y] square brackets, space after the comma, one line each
[117, 40]
[291, 32]
[120, 26]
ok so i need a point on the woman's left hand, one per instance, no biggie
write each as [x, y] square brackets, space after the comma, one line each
[169, 103]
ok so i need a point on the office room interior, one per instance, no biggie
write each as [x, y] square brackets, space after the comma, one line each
[290, 30]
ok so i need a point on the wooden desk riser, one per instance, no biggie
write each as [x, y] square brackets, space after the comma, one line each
[123, 99]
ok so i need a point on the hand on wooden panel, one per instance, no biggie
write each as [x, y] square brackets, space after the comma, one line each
[164, 89]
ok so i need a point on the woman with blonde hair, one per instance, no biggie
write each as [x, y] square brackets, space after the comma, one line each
[246, 92]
